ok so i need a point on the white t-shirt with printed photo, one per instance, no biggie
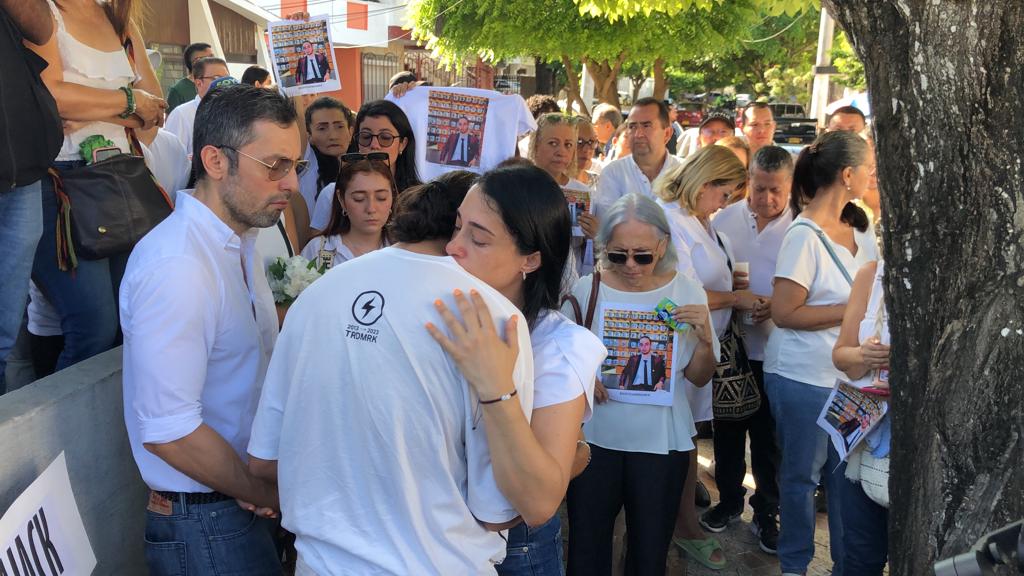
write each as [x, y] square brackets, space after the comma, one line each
[383, 464]
[806, 355]
[507, 118]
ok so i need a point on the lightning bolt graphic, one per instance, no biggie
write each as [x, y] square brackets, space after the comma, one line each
[368, 307]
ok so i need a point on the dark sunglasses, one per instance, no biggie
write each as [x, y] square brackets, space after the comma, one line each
[620, 258]
[280, 168]
[371, 156]
[385, 139]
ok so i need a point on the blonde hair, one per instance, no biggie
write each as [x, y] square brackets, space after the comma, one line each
[683, 183]
[554, 119]
[736, 143]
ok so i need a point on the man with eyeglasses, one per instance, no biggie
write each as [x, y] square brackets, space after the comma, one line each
[199, 326]
[648, 129]
[181, 121]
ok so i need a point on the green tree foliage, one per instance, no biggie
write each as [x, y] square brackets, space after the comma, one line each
[557, 31]
[851, 69]
[624, 9]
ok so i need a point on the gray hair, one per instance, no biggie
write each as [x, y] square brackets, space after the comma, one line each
[772, 158]
[641, 209]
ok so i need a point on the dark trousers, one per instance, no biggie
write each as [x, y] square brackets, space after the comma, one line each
[865, 531]
[649, 486]
[730, 442]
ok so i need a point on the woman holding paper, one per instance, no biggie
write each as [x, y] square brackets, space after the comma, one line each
[829, 239]
[690, 193]
[862, 353]
[640, 453]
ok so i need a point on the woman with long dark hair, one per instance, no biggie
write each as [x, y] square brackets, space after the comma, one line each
[828, 241]
[101, 91]
[361, 208]
[513, 233]
[380, 126]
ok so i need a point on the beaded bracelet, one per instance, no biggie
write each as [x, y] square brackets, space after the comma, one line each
[130, 107]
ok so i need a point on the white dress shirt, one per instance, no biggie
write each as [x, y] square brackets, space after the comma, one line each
[760, 250]
[621, 177]
[181, 121]
[198, 334]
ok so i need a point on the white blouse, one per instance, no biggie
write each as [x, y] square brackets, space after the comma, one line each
[566, 358]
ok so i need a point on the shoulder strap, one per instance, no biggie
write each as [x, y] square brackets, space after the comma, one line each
[828, 248]
[728, 261]
[595, 286]
[577, 314]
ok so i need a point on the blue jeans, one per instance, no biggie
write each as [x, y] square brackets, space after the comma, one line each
[86, 299]
[807, 457]
[865, 532]
[21, 225]
[534, 551]
[217, 539]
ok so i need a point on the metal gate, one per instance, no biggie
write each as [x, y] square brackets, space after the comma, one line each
[377, 71]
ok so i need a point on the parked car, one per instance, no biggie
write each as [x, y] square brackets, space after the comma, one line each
[792, 126]
[689, 114]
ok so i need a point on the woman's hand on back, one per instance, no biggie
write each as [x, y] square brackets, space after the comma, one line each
[484, 358]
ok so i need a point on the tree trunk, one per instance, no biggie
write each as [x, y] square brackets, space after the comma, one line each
[606, 79]
[637, 82]
[545, 79]
[945, 81]
[660, 79]
[572, 87]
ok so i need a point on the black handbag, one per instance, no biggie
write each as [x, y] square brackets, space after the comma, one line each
[734, 392]
[106, 207]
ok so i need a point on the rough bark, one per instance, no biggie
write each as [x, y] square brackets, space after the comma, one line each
[637, 82]
[946, 79]
[606, 78]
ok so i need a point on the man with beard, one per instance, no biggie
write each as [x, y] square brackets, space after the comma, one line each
[199, 326]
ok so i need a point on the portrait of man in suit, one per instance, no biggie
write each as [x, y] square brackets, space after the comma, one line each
[311, 68]
[644, 371]
[462, 148]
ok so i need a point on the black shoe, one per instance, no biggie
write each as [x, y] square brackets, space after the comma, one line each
[766, 528]
[718, 518]
[820, 500]
[701, 497]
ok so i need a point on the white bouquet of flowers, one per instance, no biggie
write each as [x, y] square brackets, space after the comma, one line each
[289, 277]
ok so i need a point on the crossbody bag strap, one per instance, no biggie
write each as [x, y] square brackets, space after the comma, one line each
[577, 314]
[595, 287]
[828, 248]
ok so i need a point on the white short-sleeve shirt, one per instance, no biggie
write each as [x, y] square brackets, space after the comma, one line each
[806, 355]
[168, 161]
[642, 428]
[383, 464]
[760, 250]
[623, 176]
[566, 358]
[702, 258]
[198, 334]
[322, 209]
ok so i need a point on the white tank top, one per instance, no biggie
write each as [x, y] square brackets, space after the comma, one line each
[88, 66]
[875, 318]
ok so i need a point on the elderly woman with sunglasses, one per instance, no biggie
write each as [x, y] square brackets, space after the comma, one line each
[361, 208]
[639, 453]
[689, 194]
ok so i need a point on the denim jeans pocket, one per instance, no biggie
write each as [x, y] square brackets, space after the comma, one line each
[241, 544]
[230, 522]
[166, 558]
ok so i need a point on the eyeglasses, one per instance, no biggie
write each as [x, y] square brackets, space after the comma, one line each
[385, 139]
[620, 258]
[586, 143]
[371, 156]
[280, 168]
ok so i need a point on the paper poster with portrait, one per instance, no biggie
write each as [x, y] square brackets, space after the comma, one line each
[638, 368]
[303, 56]
[579, 203]
[455, 129]
[849, 415]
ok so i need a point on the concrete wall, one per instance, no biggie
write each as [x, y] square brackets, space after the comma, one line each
[79, 411]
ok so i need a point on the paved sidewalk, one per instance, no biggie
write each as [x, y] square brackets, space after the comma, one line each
[742, 553]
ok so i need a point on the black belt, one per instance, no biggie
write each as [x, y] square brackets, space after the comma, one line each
[195, 497]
